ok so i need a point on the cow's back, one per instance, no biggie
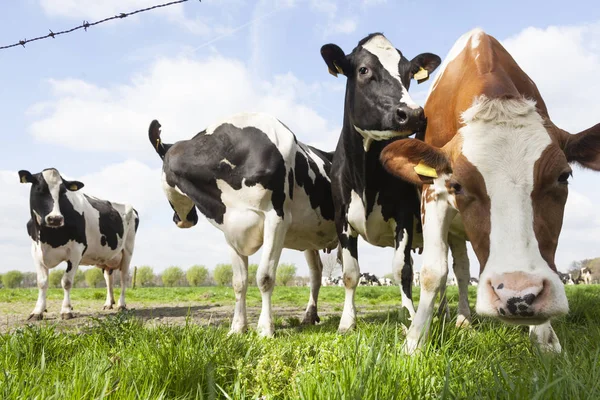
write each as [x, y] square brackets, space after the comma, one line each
[477, 65]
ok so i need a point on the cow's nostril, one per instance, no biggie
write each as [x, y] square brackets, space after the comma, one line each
[402, 116]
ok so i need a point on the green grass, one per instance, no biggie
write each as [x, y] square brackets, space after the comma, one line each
[120, 358]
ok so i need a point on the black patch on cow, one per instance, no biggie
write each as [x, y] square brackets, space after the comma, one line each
[349, 243]
[291, 183]
[501, 286]
[318, 191]
[195, 166]
[69, 266]
[137, 219]
[110, 222]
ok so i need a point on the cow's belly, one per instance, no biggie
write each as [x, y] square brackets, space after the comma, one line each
[373, 228]
[309, 230]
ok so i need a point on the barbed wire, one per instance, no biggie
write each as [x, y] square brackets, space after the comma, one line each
[85, 25]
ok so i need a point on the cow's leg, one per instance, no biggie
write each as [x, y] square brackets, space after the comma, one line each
[66, 311]
[461, 268]
[351, 275]
[42, 282]
[316, 271]
[110, 297]
[545, 337]
[124, 268]
[240, 287]
[402, 264]
[444, 309]
[434, 272]
[275, 229]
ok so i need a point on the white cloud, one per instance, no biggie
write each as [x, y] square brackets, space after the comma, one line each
[373, 2]
[185, 95]
[343, 26]
[336, 24]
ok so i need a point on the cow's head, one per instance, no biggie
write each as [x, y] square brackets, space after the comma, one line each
[48, 195]
[377, 101]
[507, 173]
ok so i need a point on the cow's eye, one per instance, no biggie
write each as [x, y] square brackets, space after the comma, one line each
[563, 179]
[363, 70]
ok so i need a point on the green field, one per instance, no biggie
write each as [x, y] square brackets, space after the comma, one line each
[122, 356]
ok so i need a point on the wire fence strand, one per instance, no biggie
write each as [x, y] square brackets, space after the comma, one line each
[85, 25]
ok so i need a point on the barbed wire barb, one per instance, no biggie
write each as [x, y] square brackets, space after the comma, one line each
[86, 24]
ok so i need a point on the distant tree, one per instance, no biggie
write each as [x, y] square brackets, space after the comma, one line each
[172, 276]
[331, 266]
[285, 274]
[93, 277]
[144, 276]
[54, 277]
[196, 275]
[29, 279]
[223, 274]
[252, 270]
[79, 278]
[12, 279]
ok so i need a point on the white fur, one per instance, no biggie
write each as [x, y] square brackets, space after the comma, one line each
[370, 135]
[389, 57]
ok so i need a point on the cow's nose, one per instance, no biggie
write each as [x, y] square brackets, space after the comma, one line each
[55, 220]
[519, 295]
[409, 117]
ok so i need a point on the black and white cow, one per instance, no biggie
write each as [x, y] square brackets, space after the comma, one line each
[69, 226]
[252, 179]
[369, 201]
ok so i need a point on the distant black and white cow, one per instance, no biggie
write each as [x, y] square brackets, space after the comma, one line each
[69, 226]
[586, 275]
[367, 279]
[252, 179]
[369, 201]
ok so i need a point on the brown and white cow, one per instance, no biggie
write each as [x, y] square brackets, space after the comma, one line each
[495, 170]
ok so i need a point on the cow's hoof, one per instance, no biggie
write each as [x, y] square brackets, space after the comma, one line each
[107, 307]
[312, 319]
[410, 347]
[122, 308]
[463, 322]
[67, 316]
[35, 317]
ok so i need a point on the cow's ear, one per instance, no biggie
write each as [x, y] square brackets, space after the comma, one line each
[583, 147]
[73, 186]
[25, 176]
[335, 59]
[415, 161]
[423, 65]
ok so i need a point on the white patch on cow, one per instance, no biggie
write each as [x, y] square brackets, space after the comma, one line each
[370, 135]
[373, 227]
[53, 179]
[389, 57]
[454, 52]
[503, 139]
[227, 162]
[38, 218]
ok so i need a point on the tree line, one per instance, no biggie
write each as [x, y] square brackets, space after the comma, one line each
[196, 275]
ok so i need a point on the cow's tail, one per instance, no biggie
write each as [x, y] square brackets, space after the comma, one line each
[154, 136]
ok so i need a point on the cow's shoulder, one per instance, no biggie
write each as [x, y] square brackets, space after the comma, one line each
[110, 221]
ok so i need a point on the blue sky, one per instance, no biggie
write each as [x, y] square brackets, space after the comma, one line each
[82, 102]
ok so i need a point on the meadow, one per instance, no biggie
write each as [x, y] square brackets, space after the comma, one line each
[133, 355]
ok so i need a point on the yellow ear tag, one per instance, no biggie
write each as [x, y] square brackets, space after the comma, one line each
[422, 75]
[425, 170]
[23, 179]
[73, 187]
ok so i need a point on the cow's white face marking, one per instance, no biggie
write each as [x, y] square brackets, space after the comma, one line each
[53, 179]
[503, 139]
[370, 135]
[389, 57]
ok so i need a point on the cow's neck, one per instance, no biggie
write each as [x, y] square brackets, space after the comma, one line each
[362, 163]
